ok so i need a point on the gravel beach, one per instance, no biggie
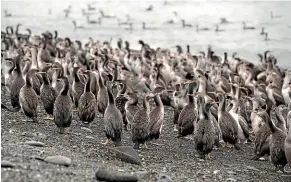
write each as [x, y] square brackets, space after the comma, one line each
[169, 156]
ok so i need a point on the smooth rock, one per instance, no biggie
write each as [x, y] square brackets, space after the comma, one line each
[7, 164]
[35, 143]
[108, 175]
[126, 154]
[60, 160]
[164, 178]
[216, 172]
[87, 129]
[89, 137]
[230, 172]
[252, 168]
[230, 180]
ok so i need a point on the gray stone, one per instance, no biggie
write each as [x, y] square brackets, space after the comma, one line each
[60, 160]
[104, 174]
[35, 143]
[252, 168]
[87, 129]
[126, 154]
[164, 178]
[7, 164]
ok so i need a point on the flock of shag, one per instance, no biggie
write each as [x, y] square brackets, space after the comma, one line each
[222, 101]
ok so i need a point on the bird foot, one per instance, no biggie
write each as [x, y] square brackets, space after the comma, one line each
[49, 117]
[106, 142]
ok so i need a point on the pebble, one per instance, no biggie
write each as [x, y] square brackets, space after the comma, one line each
[60, 160]
[252, 168]
[7, 164]
[230, 179]
[164, 178]
[41, 136]
[89, 137]
[87, 129]
[216, 171]
[231, 172]
[35, 143]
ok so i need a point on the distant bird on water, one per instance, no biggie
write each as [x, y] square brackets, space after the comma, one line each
[150, 8]
[7, 14]
[274, 16]
[76, 26]
[245, 27]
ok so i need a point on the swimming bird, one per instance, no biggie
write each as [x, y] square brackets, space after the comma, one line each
[67, 11]
[263, 31]
[28, 98]
[119, 22]
[188, 115]
[185, 24]
[130, 27]
[16, 85]
[227, 123]
[140, 123]
[201, 29]
[47, 94]
[245, 27]
[175, 19]
[6, 14]
[77, 27]
[63, 114]
[106, 16]
[223, 20]
[266, 37]
[274, 16]
[204, 129]
[277, 150]
[150, 8]
[112, 120]
[217, 29]
[90, 8]
[93, 21]
[87, 103]
[147, 28]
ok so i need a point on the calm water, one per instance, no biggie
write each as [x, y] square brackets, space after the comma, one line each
[34, 14]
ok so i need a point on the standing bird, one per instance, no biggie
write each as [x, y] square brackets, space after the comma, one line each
[140, 123]
[131, 107]
[120, 102]
[16, 85]
[48, 94]
[102, 95]
[204, 130]
[77, 87]
[112, 121]
[28, 98]
[227, 123]
[63, 108]
[156, 116]
[287, 145]
[87, 103]
[188, 115]
[277, 151]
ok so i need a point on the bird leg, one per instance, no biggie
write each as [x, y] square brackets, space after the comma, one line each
[208, 156]
[175, 128]
[106, 142]
[75, 110]
[145, 145]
